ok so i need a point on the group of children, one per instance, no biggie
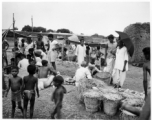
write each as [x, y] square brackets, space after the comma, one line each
[25, 87]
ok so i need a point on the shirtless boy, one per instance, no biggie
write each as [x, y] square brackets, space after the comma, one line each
[15, 83]
[57, 96]
[45, 69]
[30, 83]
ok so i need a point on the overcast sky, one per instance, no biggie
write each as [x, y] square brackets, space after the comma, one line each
[79, 17]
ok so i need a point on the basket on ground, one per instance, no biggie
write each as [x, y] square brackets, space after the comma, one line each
[91, 100]
[125, 115]
[111, 103]
[104, 76]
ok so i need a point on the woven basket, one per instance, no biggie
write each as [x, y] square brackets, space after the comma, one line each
[110, 107]
[125, 115]
[92, 109]
[91, 101]
[104, 76]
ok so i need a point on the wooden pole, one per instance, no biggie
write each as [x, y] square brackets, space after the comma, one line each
[32, 23]
[14, 41]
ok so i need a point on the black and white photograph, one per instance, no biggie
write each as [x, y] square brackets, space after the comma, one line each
[76, 60]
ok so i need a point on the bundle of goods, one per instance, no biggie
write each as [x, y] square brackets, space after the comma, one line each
[91, 100]
[84, 85]
[111, 103]
[99, 83]
[136, 102]
[131, 94]
[45, 82]
[104, 76]
[125, 115]
[68, 80]
[133, 102]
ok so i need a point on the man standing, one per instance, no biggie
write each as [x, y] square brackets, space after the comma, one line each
[40, 43]
[52, 53]
[80, 52]
[121, 65]
[111, 46]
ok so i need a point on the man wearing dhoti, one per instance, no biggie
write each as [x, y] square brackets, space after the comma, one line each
[121, 65]
[111, 46]
[52, 53]
[81, 52]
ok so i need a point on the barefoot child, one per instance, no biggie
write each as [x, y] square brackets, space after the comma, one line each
[15, 83]
[29, 84]
[57, 96]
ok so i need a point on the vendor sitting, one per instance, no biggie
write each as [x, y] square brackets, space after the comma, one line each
[93, 68]
[82, 72]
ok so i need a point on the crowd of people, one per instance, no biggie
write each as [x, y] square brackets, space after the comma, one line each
[36, 60]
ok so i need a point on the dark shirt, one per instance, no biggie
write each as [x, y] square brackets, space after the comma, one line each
[87, 50]
[30, 57]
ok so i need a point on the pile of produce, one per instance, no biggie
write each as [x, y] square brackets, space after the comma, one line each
[131, 94]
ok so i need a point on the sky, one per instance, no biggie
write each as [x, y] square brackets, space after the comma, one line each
[89, 18]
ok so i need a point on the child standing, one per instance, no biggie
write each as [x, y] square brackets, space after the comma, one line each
[29, 84]
[15, 83]
[57, 96]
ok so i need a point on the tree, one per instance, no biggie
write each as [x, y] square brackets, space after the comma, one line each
[39, 29]
[50, 30]
[63, 30]
[27, 28]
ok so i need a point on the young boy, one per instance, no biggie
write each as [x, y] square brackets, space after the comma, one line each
[29, 84]
[15, 83]
[57, 96]
[45, 69]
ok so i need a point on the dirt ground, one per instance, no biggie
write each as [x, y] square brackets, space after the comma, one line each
[72, 109]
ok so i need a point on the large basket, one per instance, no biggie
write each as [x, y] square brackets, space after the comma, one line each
[104, 76]
[91, 104]
[110, 107]
[91, 100]
[125, 115]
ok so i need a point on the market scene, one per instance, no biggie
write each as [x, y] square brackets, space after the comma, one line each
[62, 75]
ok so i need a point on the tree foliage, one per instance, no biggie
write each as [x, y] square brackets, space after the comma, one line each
[28, 28]
[50, 30]
[63, 30]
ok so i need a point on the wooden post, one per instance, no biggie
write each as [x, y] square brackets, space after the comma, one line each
[32, 23]
[14, 41]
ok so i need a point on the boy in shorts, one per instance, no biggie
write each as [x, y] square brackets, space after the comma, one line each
[29, 84]
[15, 83]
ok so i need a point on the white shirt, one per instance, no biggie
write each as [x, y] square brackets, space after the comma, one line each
[28, 46]
[23, 64]
[82, 73]
[80, 53]
[121, 56]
